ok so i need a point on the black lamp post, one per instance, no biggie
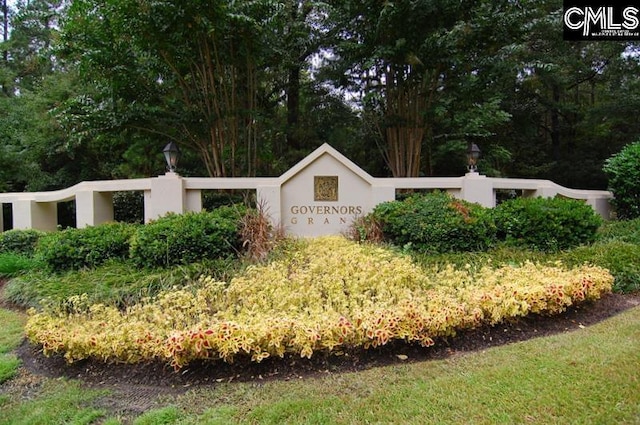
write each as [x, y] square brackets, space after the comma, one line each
[473, 153]
[171, 155]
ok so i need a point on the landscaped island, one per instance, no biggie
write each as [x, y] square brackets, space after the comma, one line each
[327, 294]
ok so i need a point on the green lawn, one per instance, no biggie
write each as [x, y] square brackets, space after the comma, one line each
[11, 334]
[590, 376]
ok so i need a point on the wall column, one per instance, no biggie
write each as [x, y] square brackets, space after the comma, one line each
[477, 188]
[602, 206]
[28, 214]
[269, 197]
[167, 195]
[193, 200]
[93, 208]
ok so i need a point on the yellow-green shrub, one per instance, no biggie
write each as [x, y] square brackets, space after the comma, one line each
[327, 295]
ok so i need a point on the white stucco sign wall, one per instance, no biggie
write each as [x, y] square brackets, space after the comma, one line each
[324, 193]
[324, 198]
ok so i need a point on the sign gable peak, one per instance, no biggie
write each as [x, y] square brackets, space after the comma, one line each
[326, 149]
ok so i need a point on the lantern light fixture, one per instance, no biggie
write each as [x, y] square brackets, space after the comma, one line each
[473, 154]
[171, 155]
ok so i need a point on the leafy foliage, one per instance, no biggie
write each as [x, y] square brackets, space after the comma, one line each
[624, 174]
[20, 241]
[616, 249]
[622, 259]
[128, 207]
[88, 247]
[620, 230]
[88, 88]
[118, 284]
[186, 238]
[547, 224]
[12, 264]
[327, 295]
[436, 223]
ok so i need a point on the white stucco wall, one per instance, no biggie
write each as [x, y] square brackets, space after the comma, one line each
[304, 216]
[288, 199]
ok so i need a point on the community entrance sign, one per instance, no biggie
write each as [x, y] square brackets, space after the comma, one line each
[325, 192]
[320, 195]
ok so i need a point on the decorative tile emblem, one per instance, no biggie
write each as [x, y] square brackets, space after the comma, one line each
[325, 188]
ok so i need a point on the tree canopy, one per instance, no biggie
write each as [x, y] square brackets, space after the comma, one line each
[93, 89]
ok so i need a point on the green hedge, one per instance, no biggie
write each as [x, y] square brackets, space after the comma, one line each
[622, 259]
[623, 171]
[87, 247]
[436, 223]
[186, 238]
[620, 230]
[546, 224]
[21, 242]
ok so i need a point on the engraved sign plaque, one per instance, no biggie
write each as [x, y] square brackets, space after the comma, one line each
[325, 188]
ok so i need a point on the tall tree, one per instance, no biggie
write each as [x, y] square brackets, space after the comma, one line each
[413, 62]
[4, 8]
[187, 71]
[28, 62]
[33, 27]
[302, 30]
[563, 103]
[5, 75]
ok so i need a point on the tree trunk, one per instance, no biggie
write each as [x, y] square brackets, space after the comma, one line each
[405, 125]
[5, 38]
[5, 27]
[293, 108]
[555, 123]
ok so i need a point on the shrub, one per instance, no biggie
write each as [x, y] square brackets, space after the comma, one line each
[87, 247]
[620, 230]
[546, 224]
[436, 223]
[624, 174]
[365, 228]
[622, 259]
[187, 238]
[258, 234]
[20, 241]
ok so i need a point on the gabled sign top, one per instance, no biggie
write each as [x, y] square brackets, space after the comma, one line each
[326, 149]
